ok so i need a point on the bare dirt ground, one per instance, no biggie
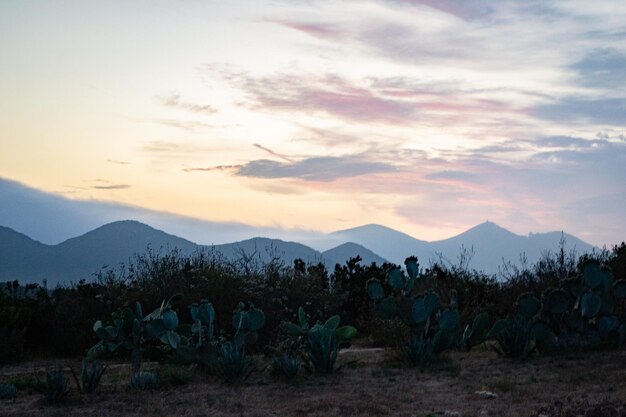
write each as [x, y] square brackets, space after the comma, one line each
[478, 383]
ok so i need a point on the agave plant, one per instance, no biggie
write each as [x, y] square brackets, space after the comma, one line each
[323, 341]
[286, 365]
[144, 381]
[55, 389]
[91, 375]
[8, 392]
[233, 365]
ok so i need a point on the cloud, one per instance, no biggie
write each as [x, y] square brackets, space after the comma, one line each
[460, 8]
[451, 175]
[328, 94]
[114, 161]
[111, 187]
[178, 150]
[564, 142]
[398, 101]
[188, 125]
[317, 29]
[173, 100]
[60, 218]
[323, 168]
[97, 184]
[604, 68]
[213, 168]
[580, 110]
[271, 152]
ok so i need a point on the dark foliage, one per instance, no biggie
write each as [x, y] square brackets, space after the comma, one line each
[58, 322]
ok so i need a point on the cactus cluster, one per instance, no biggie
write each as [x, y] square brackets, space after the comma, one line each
[158, 334]
[131, 330]
[514, 335]
[588, 310]
[233, 365]
[202, 345]
[584, 312]
[322, 341]
[432, 329]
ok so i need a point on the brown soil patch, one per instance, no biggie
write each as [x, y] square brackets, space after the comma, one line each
[478, 383]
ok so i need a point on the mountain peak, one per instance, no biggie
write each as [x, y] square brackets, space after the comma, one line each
[488, 228]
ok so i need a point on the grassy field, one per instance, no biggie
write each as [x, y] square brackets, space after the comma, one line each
[478, 383]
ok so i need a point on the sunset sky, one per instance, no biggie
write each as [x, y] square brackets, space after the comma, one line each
[422, 115]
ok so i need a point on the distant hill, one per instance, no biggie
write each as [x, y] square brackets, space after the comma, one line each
[20, 256]
[24, 259]
[27, 260]
[265, 250]
[343, 252]
[385, 241]
[487, 243]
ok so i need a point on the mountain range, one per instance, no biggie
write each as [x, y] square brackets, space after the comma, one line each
[108, 246]
[486, 246]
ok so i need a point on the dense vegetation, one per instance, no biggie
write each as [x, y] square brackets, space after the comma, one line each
[378, 300]
[37, 321]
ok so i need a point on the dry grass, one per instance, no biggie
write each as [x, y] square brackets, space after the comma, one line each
[377, 385]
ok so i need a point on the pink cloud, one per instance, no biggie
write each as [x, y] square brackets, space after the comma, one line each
[319, 30]
[392, 101]
[329, 94]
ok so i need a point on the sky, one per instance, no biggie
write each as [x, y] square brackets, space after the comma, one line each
[422, 115]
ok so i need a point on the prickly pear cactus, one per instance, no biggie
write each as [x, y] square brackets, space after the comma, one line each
[432, 329]
[477, 332]
[587, 311]
[132, 331]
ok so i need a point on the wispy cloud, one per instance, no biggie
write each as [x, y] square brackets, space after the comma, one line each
[111, 187]
[118, 162]
[173, 100]
[188, 125]
[317, 29]
[273, 153]
[458, 8]
[98, 184]
[212, 168]
[602, 68]
[580, 110]
[329, 94]
[322, 168]
[393, 100]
